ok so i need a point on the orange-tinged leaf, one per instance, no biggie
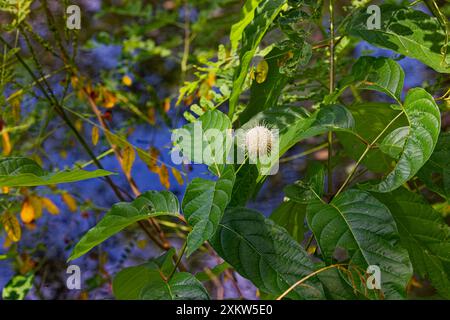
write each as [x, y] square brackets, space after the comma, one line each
[109, 99]
[6, 143]
[153, 165]
[27, 213]
[70, 201]
[11, 226]
[127, 81]
[128, 157]
[151, 116]
[50, 206]
[164, 176]
[211, 79]
[166, 105]
[178, 176]
[36, 203]
[95, 135]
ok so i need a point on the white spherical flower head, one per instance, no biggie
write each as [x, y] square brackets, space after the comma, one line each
[259, 141]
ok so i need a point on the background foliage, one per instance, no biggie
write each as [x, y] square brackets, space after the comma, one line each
[87, 178]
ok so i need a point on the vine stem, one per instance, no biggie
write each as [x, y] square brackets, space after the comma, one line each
[302, 280]
[370, 146]
[332, 80]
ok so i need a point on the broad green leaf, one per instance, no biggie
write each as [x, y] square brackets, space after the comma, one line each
[150, 281]
[244, 186]
[247, 15]
[24, 172]
[264, 15]
[379, 74]
[406, 31]
[370, 120]
[360, 227]
[436, 172]
[424, 125]
[122, 214]
[424, 234]
[129, 282]
[394, 142]
[265, 254]
[182, 286]
[197, 141]
[292, 212]
[203, 206]
[18, 287]
[291, 216]
[265, 95]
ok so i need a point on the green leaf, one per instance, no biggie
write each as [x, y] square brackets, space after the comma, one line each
[182, 286]
[204, 204]
[436, 172]
[379, 74]
[195, 143]
[150, 281]
[24, 172]
[18, 287]
[394, 142]
[424, 234]
[254, 32]
[129, 282]
[247, 15]
[265, 95]
[244, 186]
[122, 214]
[370, 120]
[361, 226]
[406, 31]
[291, 216]
[424, 125]
[265, 254]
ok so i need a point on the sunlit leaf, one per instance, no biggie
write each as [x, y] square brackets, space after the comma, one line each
[204, 204]
[149, 204]
[23, 172]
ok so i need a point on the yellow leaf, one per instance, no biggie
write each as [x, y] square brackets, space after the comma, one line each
[164, 176]
[109, 99]
[127, 81]
[6, 143]
[11, 226]
[69, 201]
[142, 243]
[153, 163]
[27, 213]
[50, 206]
[5, 190]
[261, 71]
[128, 156]
[36, 203]
[177, 176]
[95, 135]
[79, 125]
